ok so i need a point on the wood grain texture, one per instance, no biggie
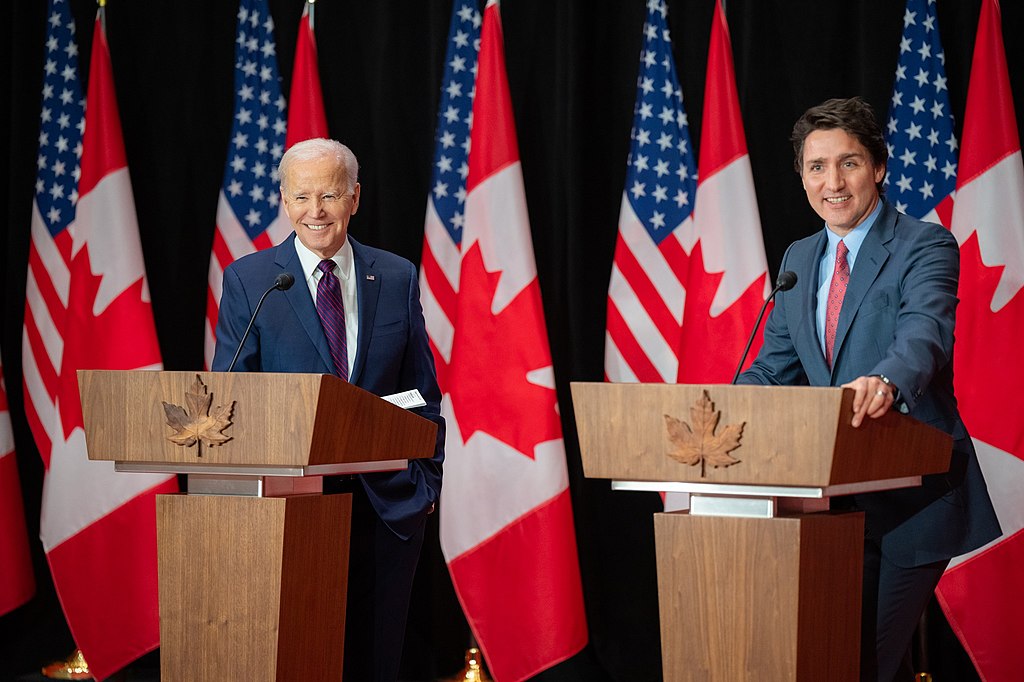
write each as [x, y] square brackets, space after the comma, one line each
[252, 588]
[760, 599]
[278, 420]
[797, 436]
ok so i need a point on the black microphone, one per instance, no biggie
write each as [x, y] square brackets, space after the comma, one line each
[785, 282]
[283, 282]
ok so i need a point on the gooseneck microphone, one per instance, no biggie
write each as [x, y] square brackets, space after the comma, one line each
[785, 282]
[284, 281]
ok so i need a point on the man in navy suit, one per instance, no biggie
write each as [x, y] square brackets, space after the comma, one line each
[375, 338]
[880, 323]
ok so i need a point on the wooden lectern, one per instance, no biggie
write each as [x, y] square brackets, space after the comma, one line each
[758, 580]
[253, 561]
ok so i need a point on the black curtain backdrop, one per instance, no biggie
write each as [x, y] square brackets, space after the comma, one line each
[572, 67]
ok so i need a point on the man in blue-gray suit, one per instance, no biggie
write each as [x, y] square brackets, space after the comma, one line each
[874, 310]
[353, 311]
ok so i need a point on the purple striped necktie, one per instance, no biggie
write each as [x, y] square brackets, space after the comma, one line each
[331, 309]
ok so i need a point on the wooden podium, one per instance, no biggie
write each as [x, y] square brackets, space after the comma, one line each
[253, 561]
[758, 580]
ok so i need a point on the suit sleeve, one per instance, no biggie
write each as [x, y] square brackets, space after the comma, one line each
[922, 338]
[777, 363]
[232, 320]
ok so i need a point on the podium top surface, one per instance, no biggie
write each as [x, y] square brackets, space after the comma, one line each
[746, 435]
[244, 419]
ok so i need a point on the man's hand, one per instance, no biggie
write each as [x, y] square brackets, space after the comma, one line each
[872, 397]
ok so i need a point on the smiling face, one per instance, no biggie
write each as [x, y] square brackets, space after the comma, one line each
[318, 203]
[840, 178]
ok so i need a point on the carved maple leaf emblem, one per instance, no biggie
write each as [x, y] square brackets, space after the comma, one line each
[196, 423]
[699, 444]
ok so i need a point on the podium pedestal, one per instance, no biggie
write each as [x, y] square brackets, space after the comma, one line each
[748, 588]
[760, 599]
[253, 569]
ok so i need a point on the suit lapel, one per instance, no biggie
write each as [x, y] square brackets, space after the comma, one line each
[300, 300]
[367, 292]
[872, 256]
[807, 331]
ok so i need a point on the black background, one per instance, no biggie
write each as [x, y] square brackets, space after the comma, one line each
[572, 67]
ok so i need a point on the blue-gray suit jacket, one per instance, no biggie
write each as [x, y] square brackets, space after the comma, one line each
[392, 353]
[897, 320]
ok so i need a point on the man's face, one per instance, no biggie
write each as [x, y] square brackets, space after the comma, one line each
[839, 177]
[318, 203]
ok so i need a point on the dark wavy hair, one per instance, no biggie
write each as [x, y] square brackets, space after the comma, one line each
[854, 116]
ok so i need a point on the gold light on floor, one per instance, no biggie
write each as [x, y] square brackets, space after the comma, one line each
[73, 667]
[474, 670]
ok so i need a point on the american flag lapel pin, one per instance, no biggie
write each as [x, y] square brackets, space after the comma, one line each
[371, 277]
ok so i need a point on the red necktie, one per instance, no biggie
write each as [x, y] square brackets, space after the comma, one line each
[836, 292]
[331, 309]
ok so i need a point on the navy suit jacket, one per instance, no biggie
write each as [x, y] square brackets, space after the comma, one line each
[392, 352]
[897, 320]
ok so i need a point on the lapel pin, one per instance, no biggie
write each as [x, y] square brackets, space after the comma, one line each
[371, 277]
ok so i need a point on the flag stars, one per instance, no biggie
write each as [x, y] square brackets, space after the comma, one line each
[931, 163]
[939, 83]
[451, 114]
[921, 78]
[661, 168]
[447, 139]
[643, 137]
[905, 45]
[933, 137]
[53, 215]
[638, 190]
[268, 50]
[908, 158]
[238, 164]
[440, 189]
[234, 188]
[658, 220]
[926, 190]
[949, 170]
[917, 105]
[641, 162]
[444, 164]
[667, 115]
[914, 131]
[660, 193]
[647, 85]
[253, 217]
[904, 183]
[646, 111]
[682, 198]
[925, 51]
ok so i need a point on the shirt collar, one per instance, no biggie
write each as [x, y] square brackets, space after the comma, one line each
[309, 260]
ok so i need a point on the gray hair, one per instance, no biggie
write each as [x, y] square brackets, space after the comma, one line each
[318, 148]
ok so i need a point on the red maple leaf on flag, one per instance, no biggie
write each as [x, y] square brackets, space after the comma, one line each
[492, 356]
[100, 340]
[710, 346]
[980, 376]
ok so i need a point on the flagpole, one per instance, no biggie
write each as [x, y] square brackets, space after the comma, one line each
[311, 8]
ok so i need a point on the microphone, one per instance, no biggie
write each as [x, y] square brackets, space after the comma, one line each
[284, 281]
[785, 282]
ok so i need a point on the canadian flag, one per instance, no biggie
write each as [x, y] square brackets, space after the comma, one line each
[17, 584]
[506, 520]
[982, 593]
[98, 527]
[306, 116]
[727, 278]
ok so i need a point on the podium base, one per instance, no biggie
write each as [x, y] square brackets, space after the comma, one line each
[766, 599]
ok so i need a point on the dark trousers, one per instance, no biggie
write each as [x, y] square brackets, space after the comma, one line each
[381, 571]
[894, 599]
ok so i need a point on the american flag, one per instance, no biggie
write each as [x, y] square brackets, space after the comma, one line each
[248, 209]
[87, 306]
[446, 204]
[919, 133]
[646, 294]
